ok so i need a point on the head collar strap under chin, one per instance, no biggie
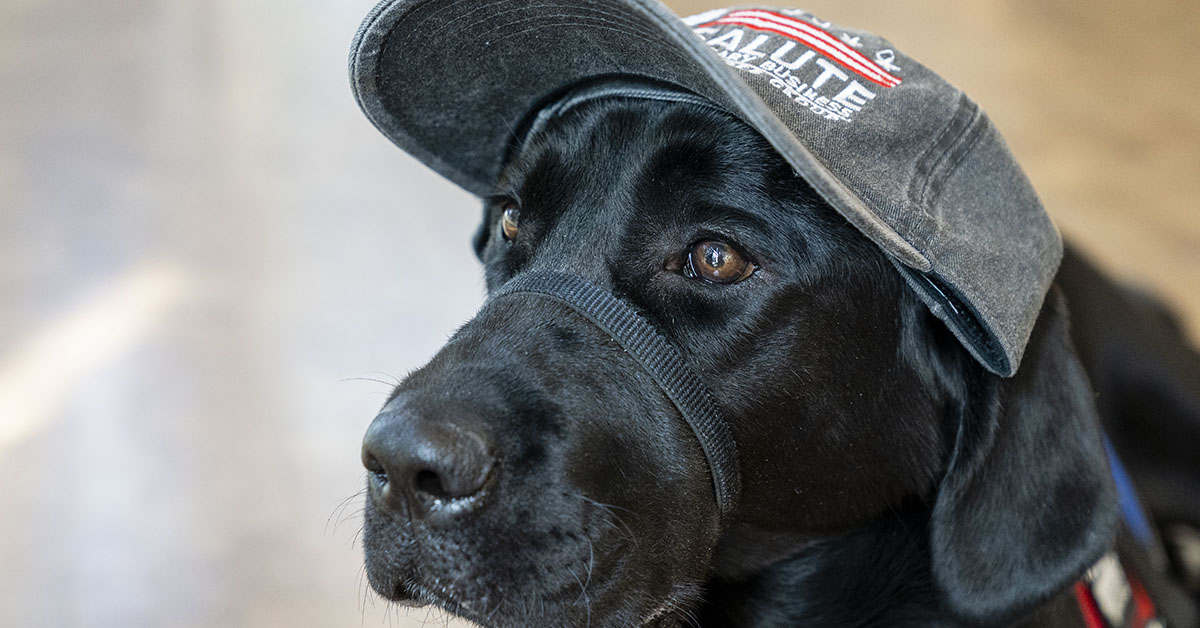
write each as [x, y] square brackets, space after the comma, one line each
[658, 358]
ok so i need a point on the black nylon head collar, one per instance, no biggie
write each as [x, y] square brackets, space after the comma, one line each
[660, 360]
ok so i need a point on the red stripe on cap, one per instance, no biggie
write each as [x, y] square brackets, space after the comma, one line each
[1087, 606]
[814, 37]
[824, 35]
[760, 25]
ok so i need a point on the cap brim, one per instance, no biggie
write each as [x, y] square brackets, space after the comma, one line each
[449, 81]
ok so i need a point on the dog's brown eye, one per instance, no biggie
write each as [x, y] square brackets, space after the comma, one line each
[509, 221]
[718, 262]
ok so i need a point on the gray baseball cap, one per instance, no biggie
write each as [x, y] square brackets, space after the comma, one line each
[903, 155]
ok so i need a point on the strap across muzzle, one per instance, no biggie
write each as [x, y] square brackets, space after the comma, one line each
[658, 358]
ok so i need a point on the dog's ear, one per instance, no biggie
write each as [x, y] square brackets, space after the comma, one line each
[1027, 502]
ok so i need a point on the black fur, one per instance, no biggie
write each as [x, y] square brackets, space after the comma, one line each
[888, 480]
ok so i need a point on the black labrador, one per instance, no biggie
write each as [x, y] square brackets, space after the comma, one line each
[532, 475]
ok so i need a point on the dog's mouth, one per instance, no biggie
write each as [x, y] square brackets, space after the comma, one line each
[507, 606]
[483, 612]
[412, 594]
[487, 612]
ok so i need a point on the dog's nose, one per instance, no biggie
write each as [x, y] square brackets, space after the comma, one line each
[420, 464]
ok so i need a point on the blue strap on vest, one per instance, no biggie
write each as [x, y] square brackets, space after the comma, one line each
[1131, 508]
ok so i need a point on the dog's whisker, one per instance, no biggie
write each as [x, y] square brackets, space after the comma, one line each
[362, 585]
[602, 504]
[591, 559]
[339, 511]
[582, 595]
[611, 517]
[342, 504]
[367, 379]
[395, 381]
[348, 515]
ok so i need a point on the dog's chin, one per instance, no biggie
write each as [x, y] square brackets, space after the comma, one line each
[411, 594]
[511, 611]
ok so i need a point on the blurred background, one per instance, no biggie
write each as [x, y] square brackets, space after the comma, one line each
[212, 267]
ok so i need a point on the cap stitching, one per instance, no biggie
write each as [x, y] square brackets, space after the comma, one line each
[931, 162]
[924, 166]
[955, 156]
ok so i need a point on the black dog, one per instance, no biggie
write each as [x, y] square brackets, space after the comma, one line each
[532, 474]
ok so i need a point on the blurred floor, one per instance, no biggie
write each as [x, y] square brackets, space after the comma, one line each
[207, 253]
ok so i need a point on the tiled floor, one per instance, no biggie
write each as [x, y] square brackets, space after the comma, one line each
[207, 253]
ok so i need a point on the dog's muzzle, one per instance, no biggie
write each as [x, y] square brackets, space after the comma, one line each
[427, 469]
[657, 357]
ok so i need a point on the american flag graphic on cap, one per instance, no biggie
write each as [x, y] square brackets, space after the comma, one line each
[812, 36]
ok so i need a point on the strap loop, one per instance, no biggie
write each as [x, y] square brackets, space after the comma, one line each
[659, 359]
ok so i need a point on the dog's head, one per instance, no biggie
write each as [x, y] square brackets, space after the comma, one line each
[532, 473]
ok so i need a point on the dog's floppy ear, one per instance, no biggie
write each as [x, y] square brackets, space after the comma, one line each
[1027, 502]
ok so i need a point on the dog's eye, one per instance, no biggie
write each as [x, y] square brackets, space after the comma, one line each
[509, 221]
[716, 261]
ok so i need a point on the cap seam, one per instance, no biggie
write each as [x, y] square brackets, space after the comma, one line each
[931, 162]
[956, 155]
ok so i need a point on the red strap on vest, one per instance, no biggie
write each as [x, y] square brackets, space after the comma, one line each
[1143, 614]
[1143, 606]
[1087, 606]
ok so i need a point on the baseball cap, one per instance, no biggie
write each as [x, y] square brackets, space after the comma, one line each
[904, 156]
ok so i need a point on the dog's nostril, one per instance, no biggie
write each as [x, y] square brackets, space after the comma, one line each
[424, 462]
[430, 483]
[373, 466]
